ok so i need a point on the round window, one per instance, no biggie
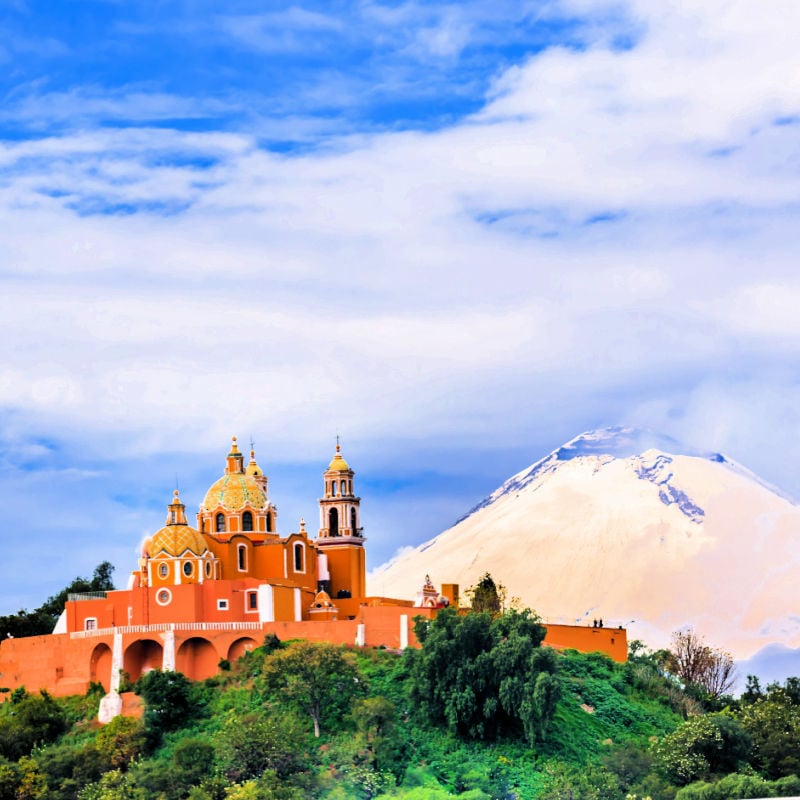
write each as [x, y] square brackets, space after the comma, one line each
[163, 570]
[188, 568]
[164, 597]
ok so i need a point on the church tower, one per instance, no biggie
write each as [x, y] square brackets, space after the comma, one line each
[342, 565]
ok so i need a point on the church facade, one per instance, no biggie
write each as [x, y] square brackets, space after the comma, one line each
[234, 567]
[205, 593]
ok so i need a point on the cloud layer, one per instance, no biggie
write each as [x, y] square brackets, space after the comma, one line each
[457, 245]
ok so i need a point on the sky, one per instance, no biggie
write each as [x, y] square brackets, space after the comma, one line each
[455, 234]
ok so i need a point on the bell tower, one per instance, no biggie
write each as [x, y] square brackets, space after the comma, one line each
[340, 541]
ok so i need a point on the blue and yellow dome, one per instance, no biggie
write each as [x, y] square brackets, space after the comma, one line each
[234, 492]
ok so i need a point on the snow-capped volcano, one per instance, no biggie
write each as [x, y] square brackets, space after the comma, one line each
[633, 528]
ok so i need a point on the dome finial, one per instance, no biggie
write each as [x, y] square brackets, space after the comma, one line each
[252, 466]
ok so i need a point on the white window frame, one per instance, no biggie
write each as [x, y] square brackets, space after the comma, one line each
[223, 604]
[90, 624]
[166, 594]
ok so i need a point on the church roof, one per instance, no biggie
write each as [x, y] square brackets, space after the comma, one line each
[175, 540]
[235, 491]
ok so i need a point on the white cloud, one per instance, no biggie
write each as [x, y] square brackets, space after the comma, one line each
[572, 240]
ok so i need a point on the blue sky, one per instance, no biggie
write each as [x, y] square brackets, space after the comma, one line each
[456, 235]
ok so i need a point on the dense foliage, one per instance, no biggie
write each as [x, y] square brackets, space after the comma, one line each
[485, 676]
[421, 725]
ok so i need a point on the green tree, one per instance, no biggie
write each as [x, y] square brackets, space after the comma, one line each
[375, 719]
[482, 677]
[318, 678]
[168, 701]
[250, 745]
[704, 746]
[192, 761]
[487, 596]
[33, 720]
[121, 741]
[774, 724]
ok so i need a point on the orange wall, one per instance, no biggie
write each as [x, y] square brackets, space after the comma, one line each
[65, 665]
[611, 641]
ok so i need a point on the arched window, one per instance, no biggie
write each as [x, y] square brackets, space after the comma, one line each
[299, 557]
[269, 523]
[333, 522]
[344, 487]
[220, 523]
[247, 521]
[241, 552]
[353, 521]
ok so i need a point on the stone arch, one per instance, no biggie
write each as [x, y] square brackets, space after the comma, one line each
[100, 665]
[142, 656]
[240, 647]
[197, 659]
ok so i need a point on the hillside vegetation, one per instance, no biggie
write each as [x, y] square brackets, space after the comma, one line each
[481, 711]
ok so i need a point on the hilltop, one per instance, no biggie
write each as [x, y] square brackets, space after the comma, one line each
[615, 730]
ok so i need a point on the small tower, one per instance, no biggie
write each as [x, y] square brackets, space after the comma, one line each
[340, 509]
[235, 460]
[342, 565]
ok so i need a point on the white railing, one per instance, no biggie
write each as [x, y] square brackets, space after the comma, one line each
[169, 626]
[73, 597]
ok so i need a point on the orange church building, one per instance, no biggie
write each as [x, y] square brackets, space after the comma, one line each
[203, 594]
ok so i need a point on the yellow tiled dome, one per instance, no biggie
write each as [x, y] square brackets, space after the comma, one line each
[175, 540]
[233, 492]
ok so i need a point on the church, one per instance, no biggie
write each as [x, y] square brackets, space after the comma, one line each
[234, 566]
[204, 594]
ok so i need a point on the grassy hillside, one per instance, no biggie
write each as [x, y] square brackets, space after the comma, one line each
[614, 731]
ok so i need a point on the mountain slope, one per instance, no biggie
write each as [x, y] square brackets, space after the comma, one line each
[624, 526]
